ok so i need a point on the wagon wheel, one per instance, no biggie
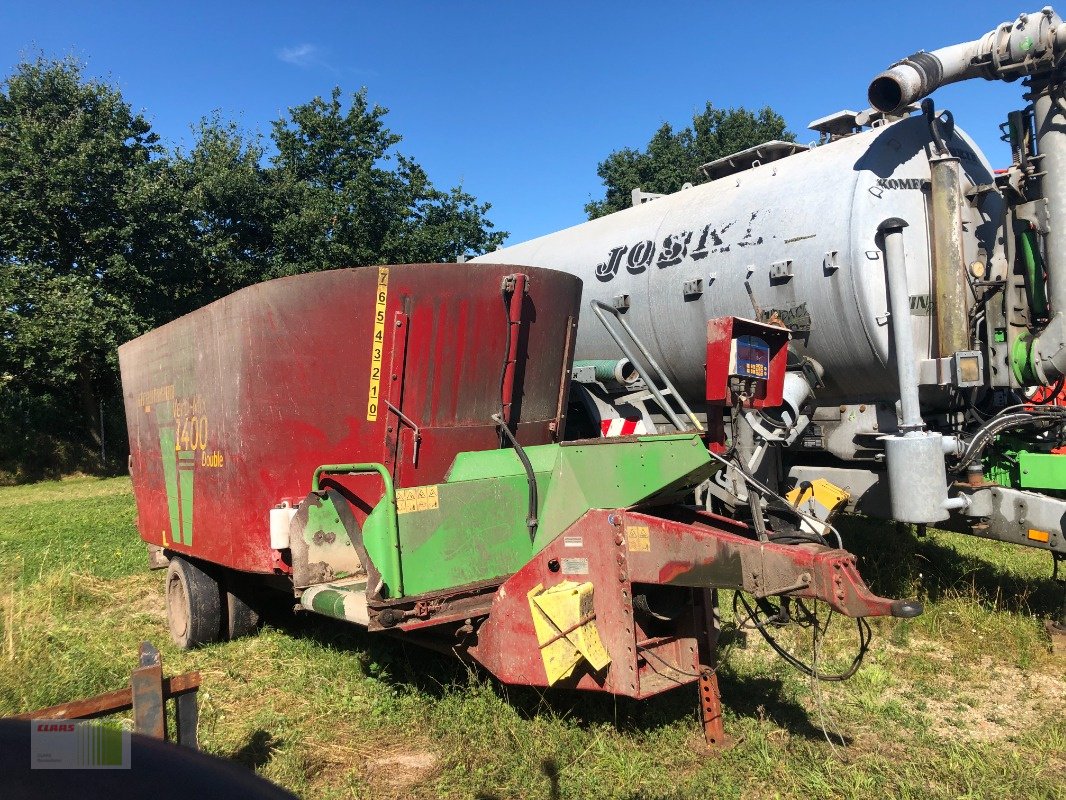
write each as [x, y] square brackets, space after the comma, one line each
[194, 613]
[241, 611]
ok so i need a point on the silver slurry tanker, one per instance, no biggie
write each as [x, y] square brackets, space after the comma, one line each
[925, 295]
[796, 237]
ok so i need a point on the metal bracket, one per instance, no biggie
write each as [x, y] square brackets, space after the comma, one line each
[963, 369]
[412, 425]
[692, 289]
[640, 197]
[781, 270]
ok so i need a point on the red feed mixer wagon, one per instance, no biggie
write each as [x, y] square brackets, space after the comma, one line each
[386, 444]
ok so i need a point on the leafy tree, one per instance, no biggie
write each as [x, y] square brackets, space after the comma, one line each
[81, 209]
[105, 235]
[345, 206]
[230, 209]
[672, 159]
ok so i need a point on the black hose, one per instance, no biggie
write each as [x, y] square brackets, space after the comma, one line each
[506, 360]
[531, 479]
[1005, 421]
[865, 637]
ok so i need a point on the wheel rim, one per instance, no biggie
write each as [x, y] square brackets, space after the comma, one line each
[177, 607]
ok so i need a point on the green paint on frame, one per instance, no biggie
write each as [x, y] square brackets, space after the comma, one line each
[186, 471]
[170, 473]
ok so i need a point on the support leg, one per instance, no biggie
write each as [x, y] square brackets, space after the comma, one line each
[146, 683]
[1057, 628]
[710, 697]
[186, 715]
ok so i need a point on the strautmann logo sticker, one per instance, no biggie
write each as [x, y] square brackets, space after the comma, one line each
[76, 744]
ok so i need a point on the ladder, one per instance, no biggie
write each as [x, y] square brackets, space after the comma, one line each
[658, 384]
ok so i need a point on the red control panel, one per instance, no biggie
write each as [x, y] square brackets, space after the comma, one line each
[746, 362]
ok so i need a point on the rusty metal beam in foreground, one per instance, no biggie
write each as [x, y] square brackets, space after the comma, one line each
[180, 688]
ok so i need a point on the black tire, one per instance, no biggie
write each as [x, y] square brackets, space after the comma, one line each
[194, 607]
[242, 613]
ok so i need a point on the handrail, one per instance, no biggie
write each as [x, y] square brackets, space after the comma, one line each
[391, 521]
[598, 307]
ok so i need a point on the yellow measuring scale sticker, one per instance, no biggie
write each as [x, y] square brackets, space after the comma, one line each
[417, 498]
[377, 345]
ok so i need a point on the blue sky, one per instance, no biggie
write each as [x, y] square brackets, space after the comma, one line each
[517, 101]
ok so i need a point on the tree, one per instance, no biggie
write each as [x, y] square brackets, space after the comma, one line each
[105, 235]
[672, 159]
[82, 208]
[230, 211]
[344, 206]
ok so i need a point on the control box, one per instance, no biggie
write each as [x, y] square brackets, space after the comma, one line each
[746, 362]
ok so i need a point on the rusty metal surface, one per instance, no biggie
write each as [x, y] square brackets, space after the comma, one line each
[710, 625]
[950, 288]
[115, 702]
[418, 612]
[702, 555]
[146, 683]
[644, 662]
[621, 553]
[232, 407]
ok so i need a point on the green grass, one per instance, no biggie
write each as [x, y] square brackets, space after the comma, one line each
[82, 525]
[965, 701]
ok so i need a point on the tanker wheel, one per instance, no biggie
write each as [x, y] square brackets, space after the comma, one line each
[241, 612]
[194, 608]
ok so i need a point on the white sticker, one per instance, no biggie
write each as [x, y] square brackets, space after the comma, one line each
[575, 566]
[573, 541]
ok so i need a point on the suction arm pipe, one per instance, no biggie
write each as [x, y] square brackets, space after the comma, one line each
[1041, 359]
[1030, 45]
[902, 336]
[1034, 45]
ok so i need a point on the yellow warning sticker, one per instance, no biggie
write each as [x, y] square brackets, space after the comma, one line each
[377, 345]
[638, 538]
[417, 498]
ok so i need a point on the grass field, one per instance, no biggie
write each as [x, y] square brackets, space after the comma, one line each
[965, 701]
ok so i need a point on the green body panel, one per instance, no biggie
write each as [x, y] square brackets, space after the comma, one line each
[1041, 470]
[490, 464]
[178, 473]
[1011, 463]
[327, 539]
[620, 474]
[1002, 471]
[1029, 248]
[377, 539]
[325, 519]
[478, 531]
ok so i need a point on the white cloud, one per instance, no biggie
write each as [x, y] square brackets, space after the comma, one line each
[301, 55]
